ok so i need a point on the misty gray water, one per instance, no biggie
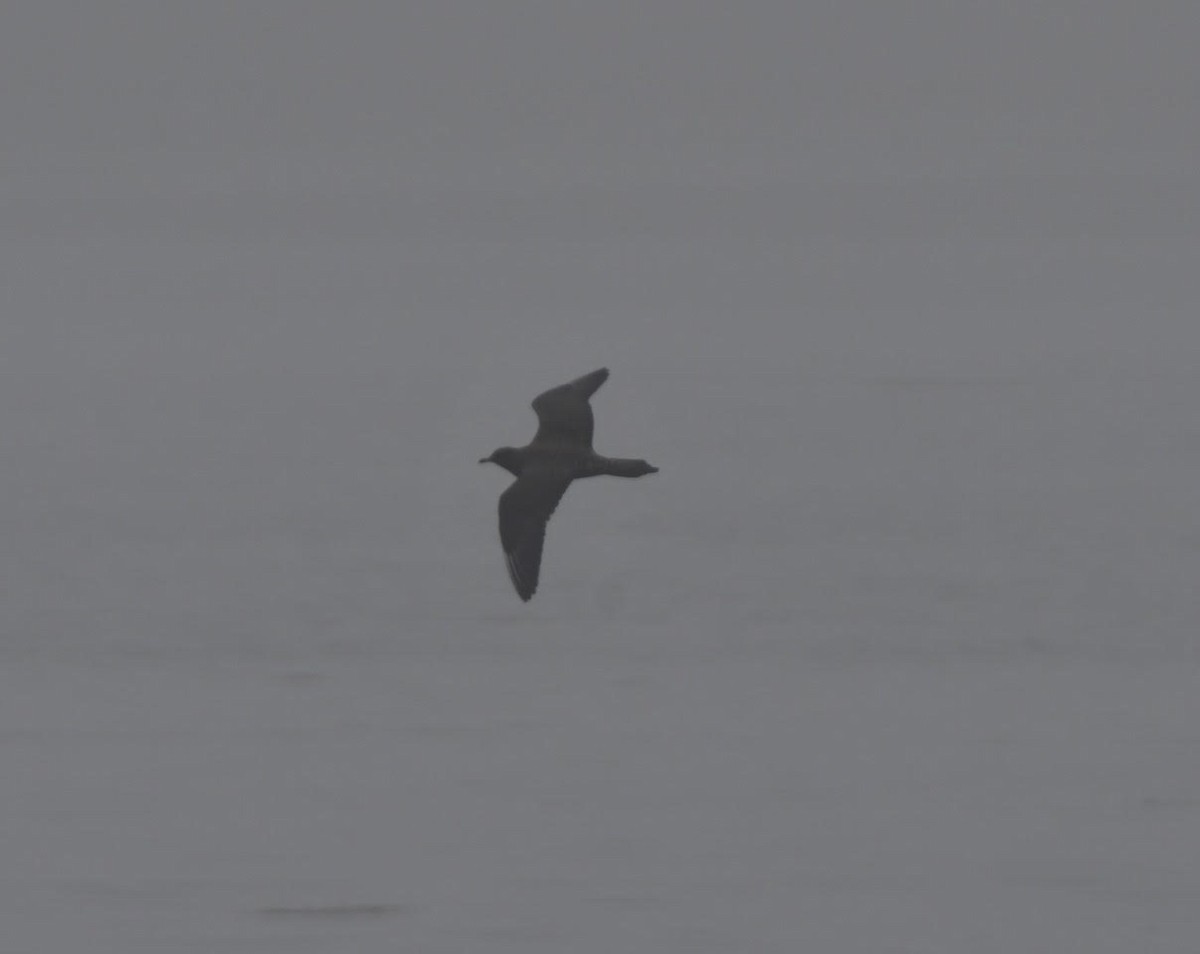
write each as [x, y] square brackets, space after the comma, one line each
[896, 653]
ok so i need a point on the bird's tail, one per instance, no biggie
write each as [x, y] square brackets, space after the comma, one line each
[624, 467]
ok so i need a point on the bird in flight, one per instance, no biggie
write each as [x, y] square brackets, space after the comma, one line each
[561, 451]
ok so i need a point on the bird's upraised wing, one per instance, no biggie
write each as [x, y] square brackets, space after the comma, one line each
[525, 507]
[564, 415]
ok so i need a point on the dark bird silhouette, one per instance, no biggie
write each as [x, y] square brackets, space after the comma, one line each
[561, 451]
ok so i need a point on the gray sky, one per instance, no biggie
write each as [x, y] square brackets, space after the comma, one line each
[281, 268]
[249, 189]
[902, 77]
[217, 209]
[895, 653]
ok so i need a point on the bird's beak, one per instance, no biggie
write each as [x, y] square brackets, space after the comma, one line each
[485, 460]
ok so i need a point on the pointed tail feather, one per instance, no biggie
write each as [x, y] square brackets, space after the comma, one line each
[624, 467]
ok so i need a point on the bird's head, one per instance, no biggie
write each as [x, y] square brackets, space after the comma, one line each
[507, 457]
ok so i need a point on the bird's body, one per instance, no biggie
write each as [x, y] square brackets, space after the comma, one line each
[559, 453]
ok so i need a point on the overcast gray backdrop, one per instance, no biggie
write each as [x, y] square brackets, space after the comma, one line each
[898, 651]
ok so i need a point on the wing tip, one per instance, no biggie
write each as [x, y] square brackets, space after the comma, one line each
[590, 382]
[525, 589]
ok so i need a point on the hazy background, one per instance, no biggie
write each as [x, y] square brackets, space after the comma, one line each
[898, 651]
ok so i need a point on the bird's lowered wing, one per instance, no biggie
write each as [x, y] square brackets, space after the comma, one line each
[525, 507]
[564, 415]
